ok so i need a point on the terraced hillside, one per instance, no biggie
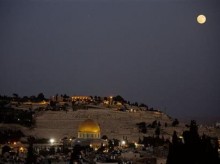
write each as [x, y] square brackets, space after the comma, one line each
[114, 124]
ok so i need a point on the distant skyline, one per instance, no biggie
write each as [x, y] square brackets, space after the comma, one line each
[152, 52]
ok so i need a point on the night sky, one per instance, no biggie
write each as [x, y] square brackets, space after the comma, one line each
[149, 51]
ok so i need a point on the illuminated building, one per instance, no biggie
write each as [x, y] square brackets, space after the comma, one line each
[89, 130]
[81, 98]
[89, 134]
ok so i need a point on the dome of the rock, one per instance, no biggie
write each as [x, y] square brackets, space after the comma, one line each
[89, 129]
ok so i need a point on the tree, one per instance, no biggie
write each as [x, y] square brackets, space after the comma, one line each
[144, 130]
[194, 150]
[165, 124]
[56, 97]
[142, 105]
[33, 98]
[119, 99]
[157, 132]
[139, 141]
[151, 109]
[175, 138]
[175, 122]
[40, 97]
[15, 95]
[193, 127]
[65, 97]
[76, 153]
[154, 124]
[159, 124]
[24, 99]
[142, 127]
[136, 104]
[111, 145]
[31, 159]
[5, 149]
[104, 137]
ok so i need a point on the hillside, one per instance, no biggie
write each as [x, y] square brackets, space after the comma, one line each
[114, 124]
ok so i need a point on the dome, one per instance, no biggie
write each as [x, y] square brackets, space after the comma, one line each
[89, 126]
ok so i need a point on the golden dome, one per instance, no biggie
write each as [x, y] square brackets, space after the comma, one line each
[89, 126]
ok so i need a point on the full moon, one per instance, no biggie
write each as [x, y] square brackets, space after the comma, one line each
[201, 19]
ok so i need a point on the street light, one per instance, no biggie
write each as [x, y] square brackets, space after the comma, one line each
[52, 141]
[123, 142]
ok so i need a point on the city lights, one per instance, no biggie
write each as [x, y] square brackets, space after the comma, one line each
[52, 140]
[123, 143]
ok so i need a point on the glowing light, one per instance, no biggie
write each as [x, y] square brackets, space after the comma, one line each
[201, 19]
[52, 140]
[136, 145]
[123, 142]
[21, 149]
